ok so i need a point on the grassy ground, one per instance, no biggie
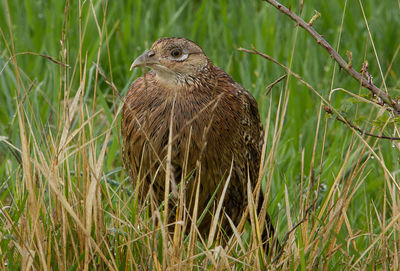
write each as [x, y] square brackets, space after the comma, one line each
[65, 200]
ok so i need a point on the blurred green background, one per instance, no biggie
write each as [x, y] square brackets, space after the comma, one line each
[219, 27]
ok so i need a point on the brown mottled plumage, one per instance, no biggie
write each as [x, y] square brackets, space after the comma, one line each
[215, 125]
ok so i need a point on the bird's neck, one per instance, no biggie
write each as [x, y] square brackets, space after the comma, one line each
[202, 78]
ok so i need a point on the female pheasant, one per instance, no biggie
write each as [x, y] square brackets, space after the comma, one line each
[211, 123]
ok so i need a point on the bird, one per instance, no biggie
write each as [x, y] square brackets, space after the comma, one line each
[190, 119]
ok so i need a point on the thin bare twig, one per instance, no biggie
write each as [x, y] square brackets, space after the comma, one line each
[385, 97]
[270, 86]
[361, 131]
[52, 59]
[108, 82]
[288, 70]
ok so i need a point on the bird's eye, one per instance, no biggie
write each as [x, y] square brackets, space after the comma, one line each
[176, 52]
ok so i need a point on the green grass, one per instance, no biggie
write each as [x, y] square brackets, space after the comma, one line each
[65, 200]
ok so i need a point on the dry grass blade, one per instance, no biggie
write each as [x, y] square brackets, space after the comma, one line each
[70, 113]
[236, 235]
[217, 213]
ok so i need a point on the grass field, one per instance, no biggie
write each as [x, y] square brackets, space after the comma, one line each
[66, 202]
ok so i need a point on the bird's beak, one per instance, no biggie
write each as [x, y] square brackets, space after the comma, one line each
[146, 59]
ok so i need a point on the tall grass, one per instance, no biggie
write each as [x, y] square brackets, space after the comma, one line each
[66, 201]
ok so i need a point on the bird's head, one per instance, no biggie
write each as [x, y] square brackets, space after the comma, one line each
[174, 60]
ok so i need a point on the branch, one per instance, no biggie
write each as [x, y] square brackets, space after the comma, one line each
[351, 125]
[327, 108]
[289, 71]
[270, 86]
[365, 82]
[52, 59]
